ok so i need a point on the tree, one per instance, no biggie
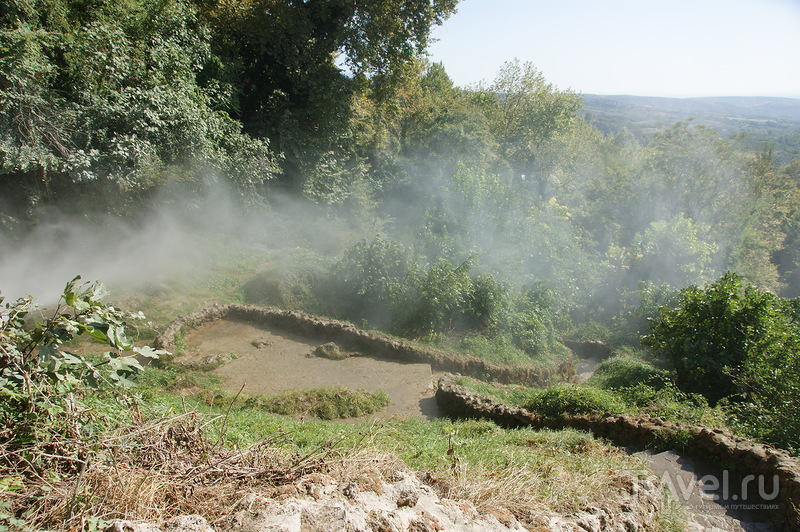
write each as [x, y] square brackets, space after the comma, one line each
[525, 111]
[100, 103]
[285, 62]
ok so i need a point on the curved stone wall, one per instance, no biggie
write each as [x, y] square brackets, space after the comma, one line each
[349, 337]
[741, 455]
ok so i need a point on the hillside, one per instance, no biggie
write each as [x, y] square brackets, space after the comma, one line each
[762, 120]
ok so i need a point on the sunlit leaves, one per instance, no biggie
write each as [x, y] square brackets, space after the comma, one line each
[110, 94]
[34, 361]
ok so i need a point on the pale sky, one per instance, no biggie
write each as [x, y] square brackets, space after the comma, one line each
[677, 48]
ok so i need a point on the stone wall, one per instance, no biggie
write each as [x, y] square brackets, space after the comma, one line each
[372, 343]
[742, 456]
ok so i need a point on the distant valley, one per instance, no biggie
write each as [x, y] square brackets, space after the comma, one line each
[754, 122]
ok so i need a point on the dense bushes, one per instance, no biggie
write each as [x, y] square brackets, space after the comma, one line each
[735, 342]
[390, 286]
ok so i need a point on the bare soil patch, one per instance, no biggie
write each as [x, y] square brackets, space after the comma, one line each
[269, 361]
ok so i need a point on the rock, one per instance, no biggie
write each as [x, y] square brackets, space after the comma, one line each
[330, 350]
[131, 526]
[401, 503]
[185, 523]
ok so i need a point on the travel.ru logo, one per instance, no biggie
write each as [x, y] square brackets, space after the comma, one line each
[752, 492]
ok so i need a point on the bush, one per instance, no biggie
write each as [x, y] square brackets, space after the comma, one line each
[486, 303]
[368, 279]
[434, 300]
[732, 341]
[531, 323]
[625, 372]
[640, 308]
[43, 386]
[574, 400]
[323, 403]
[670, 403]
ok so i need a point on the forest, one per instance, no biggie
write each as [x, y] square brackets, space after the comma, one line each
[493, 219]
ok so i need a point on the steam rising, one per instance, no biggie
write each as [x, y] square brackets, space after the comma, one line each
[174, 238]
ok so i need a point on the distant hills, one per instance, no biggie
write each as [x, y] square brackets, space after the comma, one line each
[755, 122]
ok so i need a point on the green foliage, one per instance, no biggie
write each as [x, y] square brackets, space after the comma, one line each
[664, 399]
[114, 101]
[732, 341]
[323, 403]
[524, 112]
[531, 323]
[497, 348]
[573, 400]
[639, 308]
[433, 300]
[368, 278]
[625, 372]
[671, 251]
[40, 379]
[725, 339]
[487, 304]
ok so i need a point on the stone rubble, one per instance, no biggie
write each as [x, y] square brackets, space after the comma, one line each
[401, 503]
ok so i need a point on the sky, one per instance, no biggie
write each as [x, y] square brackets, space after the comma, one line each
[673, 48]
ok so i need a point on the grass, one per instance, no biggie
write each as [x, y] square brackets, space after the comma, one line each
[473, 460]
[217, 277]
[522, 470]
[323, 403]
[624, 372]
[666, 401]
[553, 401]
[499, 350]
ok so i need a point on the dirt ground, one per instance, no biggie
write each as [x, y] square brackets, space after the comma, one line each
[269, 361]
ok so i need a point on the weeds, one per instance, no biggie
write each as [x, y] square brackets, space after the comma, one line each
[323, 403]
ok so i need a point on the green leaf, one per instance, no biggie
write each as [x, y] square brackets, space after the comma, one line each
[148, 352]
[95, 333]
[12, 484]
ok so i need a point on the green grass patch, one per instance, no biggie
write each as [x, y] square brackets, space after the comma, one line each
[471, 459]
[553, 401]
[624, 372]
[666, 401]
[323, 403]
[498, 350]
[574, 400]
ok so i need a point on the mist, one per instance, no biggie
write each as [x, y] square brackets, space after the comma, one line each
[178, 236]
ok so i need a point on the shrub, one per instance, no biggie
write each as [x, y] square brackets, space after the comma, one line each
[368, 279]
[574, 400]
[640, 308]
[531, 323]
[433, 300]
[624, 372]
[43, 385]
[736, 342]
[486, 303]
[669, 402]
[730, 339]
